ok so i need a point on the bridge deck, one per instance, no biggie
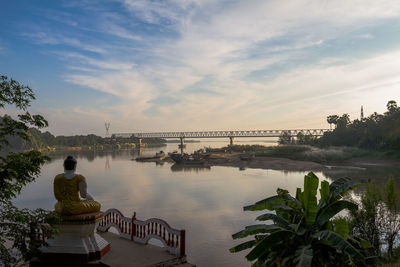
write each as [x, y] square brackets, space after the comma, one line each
[220, 134]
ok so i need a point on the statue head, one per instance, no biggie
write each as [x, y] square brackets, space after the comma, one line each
[69, 163]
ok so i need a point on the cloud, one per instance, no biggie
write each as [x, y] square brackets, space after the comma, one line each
[41, 37]
[365, 36]
[229, 64]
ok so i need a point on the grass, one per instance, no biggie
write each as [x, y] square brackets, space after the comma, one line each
[314, 154]
[328, 155]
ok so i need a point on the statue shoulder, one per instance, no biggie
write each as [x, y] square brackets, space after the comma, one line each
[59, 176]
[80, 178]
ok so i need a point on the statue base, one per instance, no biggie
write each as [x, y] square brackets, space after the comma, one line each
[76, 242]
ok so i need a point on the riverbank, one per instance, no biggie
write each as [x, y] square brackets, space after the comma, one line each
[326, 156]
[298, 158]
[235, 159]
[272, 163]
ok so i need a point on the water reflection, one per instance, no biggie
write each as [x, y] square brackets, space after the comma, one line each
[189, 168]
[107, 164]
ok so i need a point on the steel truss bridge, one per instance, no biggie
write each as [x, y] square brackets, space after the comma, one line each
[217, 134]
[221, 134]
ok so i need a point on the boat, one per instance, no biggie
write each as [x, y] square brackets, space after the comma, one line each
[187, 159]
[201, 154]
[159, 156]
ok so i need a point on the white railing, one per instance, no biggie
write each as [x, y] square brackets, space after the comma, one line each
[142, 231]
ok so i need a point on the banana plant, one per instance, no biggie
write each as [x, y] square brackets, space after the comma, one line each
[302, 230]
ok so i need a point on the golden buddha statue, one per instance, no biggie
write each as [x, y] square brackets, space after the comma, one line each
[67, 188]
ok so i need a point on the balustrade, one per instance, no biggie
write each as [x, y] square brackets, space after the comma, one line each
[142, 231]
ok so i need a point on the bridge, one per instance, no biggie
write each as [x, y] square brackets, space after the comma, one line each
[221, 134]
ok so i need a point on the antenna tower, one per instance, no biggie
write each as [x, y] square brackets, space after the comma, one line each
[362, 113]
[107, 125]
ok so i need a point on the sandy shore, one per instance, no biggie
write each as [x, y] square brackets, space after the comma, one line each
[272, 163]
[284, 164]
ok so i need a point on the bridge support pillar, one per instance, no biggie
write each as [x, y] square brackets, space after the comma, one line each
[140, 142]
[231, 140]
[182, 144]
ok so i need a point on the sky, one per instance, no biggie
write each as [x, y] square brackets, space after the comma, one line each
[190, 65]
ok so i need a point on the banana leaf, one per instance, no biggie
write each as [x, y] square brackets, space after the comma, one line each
[310, 197]
[324, 192]
[256, 229]
[268, 242]
[342, 185]
[336, 241]
[329, 211]
[276, 219]
[303, 256]
[243, 246]
[277, 199]
[342, 228]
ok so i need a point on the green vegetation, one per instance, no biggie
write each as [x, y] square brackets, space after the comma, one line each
[238, 148]
[309, 153]
[304, 231]
[378, 220]
[381, 132]
[377, 136]
[301, 139]
[19, 228]
[46, 141]
[303, 152]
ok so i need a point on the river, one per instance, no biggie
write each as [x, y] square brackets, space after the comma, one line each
[206, 202]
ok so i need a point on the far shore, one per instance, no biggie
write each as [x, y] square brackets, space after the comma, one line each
[285, 164]
[235, 159]
[272, 163]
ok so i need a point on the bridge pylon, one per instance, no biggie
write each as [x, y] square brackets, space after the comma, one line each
[182, 144]
[231, 140]
[140, 142]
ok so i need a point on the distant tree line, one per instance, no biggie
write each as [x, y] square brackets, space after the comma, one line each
[41, 140]
[377, 131]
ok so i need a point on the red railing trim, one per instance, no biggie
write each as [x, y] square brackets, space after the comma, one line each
[143, 231]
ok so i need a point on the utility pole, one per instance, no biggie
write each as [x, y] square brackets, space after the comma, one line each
[107, 125]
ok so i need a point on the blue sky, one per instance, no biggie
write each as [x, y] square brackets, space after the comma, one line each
[201, 65]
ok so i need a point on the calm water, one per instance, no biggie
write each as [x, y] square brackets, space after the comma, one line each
[206, 202]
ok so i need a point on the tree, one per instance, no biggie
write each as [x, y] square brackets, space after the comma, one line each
[300, 138]
[392, 107]
[390, 216]
[343, 121]
[377, 131]
[332, 119]
[364, 222]
[285, 138]
[378, 219]
[19, 227]
[304, 231]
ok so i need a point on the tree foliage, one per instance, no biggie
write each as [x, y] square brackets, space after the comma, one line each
[377, 131]
[378, 219]
[305, 231]
[19, 229]
[39, 140]
[285, 138]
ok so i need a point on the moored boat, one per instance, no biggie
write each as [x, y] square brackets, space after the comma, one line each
[186, 159]
[159, 156]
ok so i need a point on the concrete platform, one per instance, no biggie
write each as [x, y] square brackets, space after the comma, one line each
[124, 252]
